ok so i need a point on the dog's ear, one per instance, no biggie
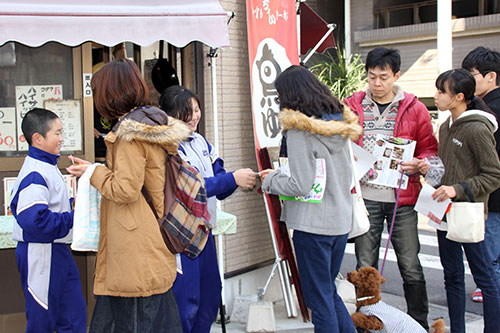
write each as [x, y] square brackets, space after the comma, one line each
[382, 280]
[351, 276]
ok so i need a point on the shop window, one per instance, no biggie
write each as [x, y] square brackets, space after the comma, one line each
[393, 13]
[401, 16]
[37, 77]
[427, 13]
[465, 8]
[492, 7]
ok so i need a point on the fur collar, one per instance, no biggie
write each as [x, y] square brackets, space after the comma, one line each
[154, 126]
[348, 128]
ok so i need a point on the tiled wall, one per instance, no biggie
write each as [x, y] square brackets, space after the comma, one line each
[252, 243]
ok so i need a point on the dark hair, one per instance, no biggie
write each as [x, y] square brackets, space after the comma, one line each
[382, 57]
[176, 102]
[300, 90]
[455, 81]
[37, 121]
[118, 87]
[483, 59]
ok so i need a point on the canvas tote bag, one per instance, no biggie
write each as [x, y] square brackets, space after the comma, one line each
[360, 221]
[466, 220]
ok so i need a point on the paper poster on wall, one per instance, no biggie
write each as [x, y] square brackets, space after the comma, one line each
[8, 129]
[29, 97]
[70, 185]
[69, 111]
[8, 185]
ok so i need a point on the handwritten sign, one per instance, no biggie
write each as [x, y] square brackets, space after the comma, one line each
[69, 111]
[9, 182]
[87, 89]
[8, 185]
[8, 129]
[264, 11]
[29, 97]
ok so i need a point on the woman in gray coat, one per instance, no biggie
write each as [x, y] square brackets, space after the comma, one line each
[315, 127]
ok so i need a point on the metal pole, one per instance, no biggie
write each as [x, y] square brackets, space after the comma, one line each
[444, 43]
[347, 28]
[330, 26]
[286, 296]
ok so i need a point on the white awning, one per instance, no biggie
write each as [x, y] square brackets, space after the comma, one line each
[109, 22]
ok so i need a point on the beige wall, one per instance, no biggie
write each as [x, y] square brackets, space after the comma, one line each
[417, 44]
[252, 243]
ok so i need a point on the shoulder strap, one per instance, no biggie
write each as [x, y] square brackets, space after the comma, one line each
[149, 200]
[353, 168]
[468, 191]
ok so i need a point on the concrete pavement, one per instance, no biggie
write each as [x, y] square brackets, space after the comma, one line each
[474, 323]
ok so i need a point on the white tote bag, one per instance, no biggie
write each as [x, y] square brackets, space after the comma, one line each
[466, 222]
[360, 221]
[86, 220]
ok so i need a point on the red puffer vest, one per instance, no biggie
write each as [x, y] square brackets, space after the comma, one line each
[412, 122]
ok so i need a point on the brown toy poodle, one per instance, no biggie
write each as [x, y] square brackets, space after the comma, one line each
[373, 314]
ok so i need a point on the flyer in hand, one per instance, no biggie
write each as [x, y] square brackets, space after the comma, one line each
[390, 152]
[318, 188]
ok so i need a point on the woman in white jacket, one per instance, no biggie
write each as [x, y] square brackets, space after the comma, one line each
[315, 127]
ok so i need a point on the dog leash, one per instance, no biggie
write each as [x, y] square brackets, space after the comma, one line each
[392, 222]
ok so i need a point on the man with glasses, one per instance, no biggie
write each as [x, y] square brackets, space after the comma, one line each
[484, 64]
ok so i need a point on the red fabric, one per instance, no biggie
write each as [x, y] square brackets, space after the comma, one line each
[412, 122]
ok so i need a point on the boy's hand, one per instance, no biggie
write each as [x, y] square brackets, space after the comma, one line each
[245, 178]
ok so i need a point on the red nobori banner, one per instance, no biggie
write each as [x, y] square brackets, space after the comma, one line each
[272, 47]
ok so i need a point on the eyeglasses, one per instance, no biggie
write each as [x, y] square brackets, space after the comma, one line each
[277, 100]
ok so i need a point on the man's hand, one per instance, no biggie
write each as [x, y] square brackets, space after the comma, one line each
[410, 166]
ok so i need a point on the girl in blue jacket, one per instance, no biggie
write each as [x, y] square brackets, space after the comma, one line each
[197, 287]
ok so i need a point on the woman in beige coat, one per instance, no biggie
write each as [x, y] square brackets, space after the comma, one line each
[134, 270]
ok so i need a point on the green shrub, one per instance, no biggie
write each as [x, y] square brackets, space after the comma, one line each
[343, 76]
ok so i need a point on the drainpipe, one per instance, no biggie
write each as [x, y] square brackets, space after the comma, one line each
[444, 42]
[347, 28]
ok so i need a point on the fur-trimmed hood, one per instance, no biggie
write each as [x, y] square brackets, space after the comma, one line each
[151, 124]
[348, 127]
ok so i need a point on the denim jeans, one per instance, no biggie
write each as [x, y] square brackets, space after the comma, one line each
[318, 260]
[405, 242]
[156, 313]
[451, 256]
[492, 240]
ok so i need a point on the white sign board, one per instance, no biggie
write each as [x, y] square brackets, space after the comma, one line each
[69, 111]
[29, 97]
[8, 129]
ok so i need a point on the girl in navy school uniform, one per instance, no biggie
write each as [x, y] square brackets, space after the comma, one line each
[198, 287]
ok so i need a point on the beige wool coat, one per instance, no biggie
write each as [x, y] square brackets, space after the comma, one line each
[132, 259]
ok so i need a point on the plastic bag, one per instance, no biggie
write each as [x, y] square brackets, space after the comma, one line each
[436, 171]
[86, 223]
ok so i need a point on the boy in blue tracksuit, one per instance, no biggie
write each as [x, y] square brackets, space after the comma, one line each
[198, 288]
[44, 220]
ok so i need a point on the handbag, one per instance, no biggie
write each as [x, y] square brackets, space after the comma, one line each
[466, 219]
[360, 221]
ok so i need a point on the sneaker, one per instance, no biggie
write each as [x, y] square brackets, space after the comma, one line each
[477, 296]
